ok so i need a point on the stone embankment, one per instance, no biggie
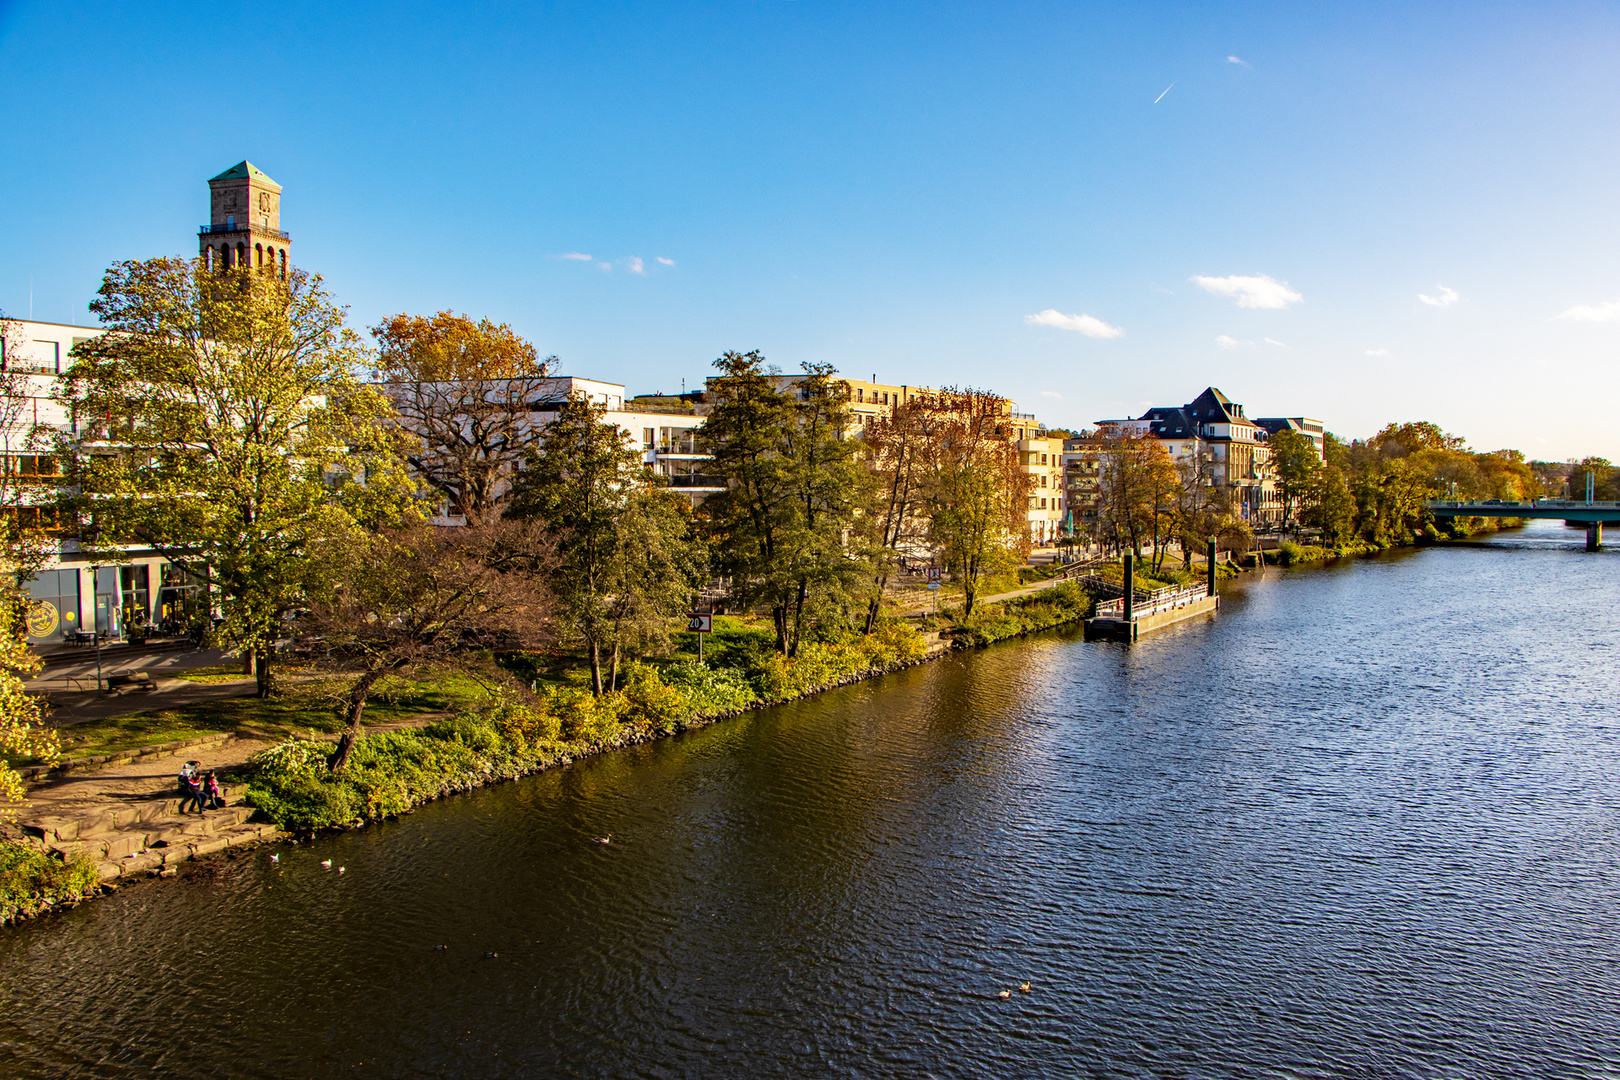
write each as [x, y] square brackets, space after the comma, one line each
[122, 812]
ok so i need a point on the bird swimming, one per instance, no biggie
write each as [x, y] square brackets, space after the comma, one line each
[327, 863]
[608, 839]
[1024, 987]
[1004, 995]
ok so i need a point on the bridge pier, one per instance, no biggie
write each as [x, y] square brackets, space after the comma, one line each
[1594, 535]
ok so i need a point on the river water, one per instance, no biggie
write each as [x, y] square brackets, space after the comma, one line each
[1364, 823]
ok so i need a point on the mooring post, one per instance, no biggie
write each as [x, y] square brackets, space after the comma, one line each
[1594, 535]
[1211, 569]
[1130, 587]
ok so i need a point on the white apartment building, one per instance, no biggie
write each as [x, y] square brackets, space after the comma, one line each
[74, 596]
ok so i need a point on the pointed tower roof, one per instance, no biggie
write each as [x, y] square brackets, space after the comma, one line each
[246, 170]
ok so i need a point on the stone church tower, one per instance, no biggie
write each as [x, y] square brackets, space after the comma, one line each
[245, 226]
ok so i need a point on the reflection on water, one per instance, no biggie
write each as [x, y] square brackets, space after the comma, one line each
[1366, 822]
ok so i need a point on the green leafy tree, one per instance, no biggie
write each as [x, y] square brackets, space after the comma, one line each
[783, 530]
[626, 560]
[1294, 457]
[220, 423]
[23, 733]
[396, 601]
[1605, 479]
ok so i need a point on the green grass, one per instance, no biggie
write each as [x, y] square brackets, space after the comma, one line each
[217, 673]
[301, 709]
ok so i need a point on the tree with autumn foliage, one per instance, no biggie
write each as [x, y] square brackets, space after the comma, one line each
[977, 494]
[466, 391]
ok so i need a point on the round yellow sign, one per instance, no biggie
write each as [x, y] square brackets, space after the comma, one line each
[42, 619]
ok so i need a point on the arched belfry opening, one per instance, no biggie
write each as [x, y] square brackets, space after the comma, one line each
[244, 222]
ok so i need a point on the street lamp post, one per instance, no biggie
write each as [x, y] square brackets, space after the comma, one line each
[95, 617]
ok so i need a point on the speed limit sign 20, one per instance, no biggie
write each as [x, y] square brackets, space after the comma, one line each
[699, 623]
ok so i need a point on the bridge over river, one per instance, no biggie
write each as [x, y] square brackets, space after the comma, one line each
[1592, 514]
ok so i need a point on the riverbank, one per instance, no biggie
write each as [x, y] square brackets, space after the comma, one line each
[394, 772]
[1290, 553]
[395, 769]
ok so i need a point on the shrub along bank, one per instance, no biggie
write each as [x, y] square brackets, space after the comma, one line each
[391, 772]
[31, 881]
[1060, 604]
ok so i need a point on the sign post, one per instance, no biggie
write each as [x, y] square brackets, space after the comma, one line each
[933, 587]
[700, 623]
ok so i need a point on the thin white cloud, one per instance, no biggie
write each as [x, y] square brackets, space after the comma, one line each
[1446, 298]
[1274, 341]
[666, 262]
[1052, 394]
[605, 267]
[1592, 312]
[1257, 291]
[635, 265]
[1224, 342]
[1377, 352]
[1083, 324]
[1240, 61]
[1166, 90]
[579, 255]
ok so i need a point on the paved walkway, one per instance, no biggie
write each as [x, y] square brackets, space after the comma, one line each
[70, 687]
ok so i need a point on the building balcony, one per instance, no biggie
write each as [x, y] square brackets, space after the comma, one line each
[698, 480]
[228, 227]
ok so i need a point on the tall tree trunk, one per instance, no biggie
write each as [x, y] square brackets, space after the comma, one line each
[596, 667]
[613, 679]
[353, 710]
[875, 607]
[798, 617]
[262, 674]
[779, 617]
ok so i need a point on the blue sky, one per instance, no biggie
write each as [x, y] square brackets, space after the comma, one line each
[938, 194]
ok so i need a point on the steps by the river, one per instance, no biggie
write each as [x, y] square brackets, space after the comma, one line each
[147, 836]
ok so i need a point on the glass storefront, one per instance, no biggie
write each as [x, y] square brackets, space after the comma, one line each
[53, 605]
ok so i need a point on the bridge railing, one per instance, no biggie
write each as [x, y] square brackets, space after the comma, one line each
[1159, 600]
[1509, 504]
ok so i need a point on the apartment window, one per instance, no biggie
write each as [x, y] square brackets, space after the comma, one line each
[860, 395]
[1043, 462]
[649, 437]
[1043, 481]
[1043, 504]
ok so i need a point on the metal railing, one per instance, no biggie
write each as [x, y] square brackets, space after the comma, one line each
[1157, 601]
[248, 226]
[697, 480]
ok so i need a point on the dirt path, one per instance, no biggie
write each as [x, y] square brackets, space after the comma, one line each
[153, 775]
[144, 778]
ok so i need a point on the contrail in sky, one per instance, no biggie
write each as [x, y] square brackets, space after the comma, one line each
[1161, 96]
